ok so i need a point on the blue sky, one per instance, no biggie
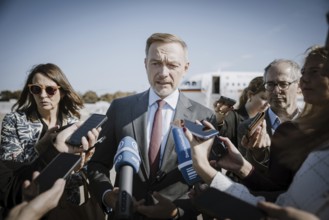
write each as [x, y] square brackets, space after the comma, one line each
[100, 44]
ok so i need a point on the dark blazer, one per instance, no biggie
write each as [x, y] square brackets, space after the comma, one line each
[128, 117]
[231, 123]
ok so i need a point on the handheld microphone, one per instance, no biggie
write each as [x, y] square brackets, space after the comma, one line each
[127, 162]
[183, 150]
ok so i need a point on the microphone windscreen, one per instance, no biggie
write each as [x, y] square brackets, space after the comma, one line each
[127, 154]
[183, 150]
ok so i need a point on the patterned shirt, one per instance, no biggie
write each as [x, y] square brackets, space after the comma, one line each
[18, 138]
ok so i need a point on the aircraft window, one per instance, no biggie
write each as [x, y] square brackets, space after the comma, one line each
[193, 83]
[187, 83]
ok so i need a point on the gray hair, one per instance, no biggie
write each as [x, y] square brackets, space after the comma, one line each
[295, 72]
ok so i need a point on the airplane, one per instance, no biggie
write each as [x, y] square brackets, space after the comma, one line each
[206, 88]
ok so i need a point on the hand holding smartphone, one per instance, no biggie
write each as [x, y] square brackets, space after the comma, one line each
[94, 121]
[226, 101]
[219, 149]
[200, 131]
[60, 167]
[257, 120]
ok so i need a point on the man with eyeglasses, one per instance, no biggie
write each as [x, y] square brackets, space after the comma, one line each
[281, 79]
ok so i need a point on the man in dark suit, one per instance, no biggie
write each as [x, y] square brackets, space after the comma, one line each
[166, 63]
[281, 79]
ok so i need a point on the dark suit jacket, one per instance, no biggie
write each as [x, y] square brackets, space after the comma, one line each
[231, 123]
[128, 117]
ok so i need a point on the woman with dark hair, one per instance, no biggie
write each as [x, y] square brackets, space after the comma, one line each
[47, 100]
[253, 99]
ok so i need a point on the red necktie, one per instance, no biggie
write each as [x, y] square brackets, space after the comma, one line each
[155, 142]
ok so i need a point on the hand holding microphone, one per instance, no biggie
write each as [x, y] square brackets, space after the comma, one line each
[127, 162]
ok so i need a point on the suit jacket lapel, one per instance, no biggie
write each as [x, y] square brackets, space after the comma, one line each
[268, 123]
[139, 125]
[182, 111]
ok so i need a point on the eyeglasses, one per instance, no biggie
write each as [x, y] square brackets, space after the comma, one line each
[283, 85]
[37, 89]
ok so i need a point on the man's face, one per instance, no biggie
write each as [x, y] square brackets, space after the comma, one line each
[165, 65]
[280, 99]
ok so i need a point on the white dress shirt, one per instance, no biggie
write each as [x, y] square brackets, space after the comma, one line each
[168, 113]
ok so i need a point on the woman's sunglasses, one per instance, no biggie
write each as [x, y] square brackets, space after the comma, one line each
[37, 89]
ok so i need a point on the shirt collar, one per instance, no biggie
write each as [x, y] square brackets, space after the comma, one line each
[171, 100]
[272, 116]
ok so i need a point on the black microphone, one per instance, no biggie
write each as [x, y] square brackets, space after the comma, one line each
[127, 162]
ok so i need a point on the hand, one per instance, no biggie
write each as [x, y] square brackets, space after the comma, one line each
[221, 110]
[87, 154]
[200, 150]
[46, 141]
[61, 146]
[233, 160]
[30, 190]
[164, 209]
[40, 205]
[258, 140]
[111, 198]
[85, 157]
[285, 213]
[197, 189]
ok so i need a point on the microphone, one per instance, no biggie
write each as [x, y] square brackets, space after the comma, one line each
[127, 162]
[183, 150]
